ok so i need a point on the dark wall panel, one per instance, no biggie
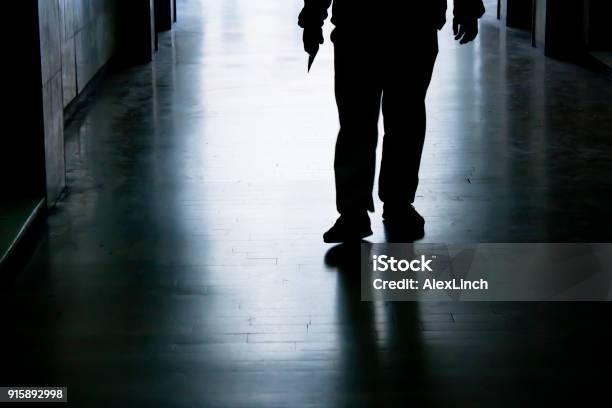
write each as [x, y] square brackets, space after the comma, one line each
[68, 32]
[22, 148]
[563, 27]
[599, 29]
[136, 31]
[52, 99]
[163, 15]
[519, 14]
[88, 41]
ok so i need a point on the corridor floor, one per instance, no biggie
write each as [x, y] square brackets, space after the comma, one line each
[185, 265]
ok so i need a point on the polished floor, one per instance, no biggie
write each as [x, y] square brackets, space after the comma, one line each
[185, 267]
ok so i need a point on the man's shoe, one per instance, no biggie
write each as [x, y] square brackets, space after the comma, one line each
[348, 229]
[403, 225]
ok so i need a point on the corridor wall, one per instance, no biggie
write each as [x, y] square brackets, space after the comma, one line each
[88, 40]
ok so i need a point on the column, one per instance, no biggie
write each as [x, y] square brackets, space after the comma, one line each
[136, 31]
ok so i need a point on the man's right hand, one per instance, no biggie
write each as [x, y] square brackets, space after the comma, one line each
[313, 37]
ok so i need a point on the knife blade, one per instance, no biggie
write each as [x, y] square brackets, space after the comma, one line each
[311, 59]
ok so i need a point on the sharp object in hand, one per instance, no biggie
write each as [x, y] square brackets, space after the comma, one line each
[311, 59]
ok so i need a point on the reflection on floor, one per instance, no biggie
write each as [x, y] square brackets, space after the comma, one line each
[186, 268]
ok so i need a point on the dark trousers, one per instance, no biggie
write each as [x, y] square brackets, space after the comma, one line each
[394, 72]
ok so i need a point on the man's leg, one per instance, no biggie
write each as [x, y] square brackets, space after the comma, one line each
[403, 107]
[358, 96]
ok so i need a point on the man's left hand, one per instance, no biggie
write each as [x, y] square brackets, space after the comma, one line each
[465, 30]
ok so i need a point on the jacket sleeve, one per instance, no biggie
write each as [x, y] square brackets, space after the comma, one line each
[314, 13]
[469, 9]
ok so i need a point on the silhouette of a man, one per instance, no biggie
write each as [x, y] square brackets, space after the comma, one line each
[384, 54]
